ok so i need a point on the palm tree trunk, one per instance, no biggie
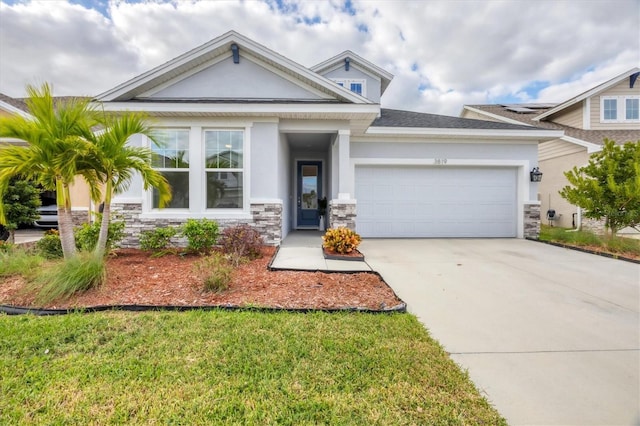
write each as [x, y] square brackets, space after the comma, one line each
[101, 246]
[65, 227]
[65, 221]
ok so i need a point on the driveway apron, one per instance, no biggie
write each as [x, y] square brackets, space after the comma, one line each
[550, 335]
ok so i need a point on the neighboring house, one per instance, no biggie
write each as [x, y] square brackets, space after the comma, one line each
[80, 198]
[249, 136]
[609, 110]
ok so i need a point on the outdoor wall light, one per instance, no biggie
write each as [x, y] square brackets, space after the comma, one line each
[536, 175]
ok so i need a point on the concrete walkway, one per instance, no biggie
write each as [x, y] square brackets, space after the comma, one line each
[302, 250]
[28, 235]
[550, 335]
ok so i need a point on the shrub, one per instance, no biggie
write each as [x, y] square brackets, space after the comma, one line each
[49, 246]
[66, 278]
[87, 234]
[240, 242]
[201, 234]
[215, 272]
[341, 240]
[157, 240]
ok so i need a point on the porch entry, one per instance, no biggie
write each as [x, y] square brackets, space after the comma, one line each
[309, 177]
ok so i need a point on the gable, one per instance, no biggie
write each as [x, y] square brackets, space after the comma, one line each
[630, 76]
[247, 80]
[371, 82]
[622, 89]
[236, 46]
[570, 116]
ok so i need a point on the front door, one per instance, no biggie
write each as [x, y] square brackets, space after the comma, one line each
[309, 190]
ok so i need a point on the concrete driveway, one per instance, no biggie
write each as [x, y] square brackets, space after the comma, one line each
[550, 335]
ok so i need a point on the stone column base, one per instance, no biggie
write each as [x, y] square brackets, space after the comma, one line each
[532, 221]
[342, 213]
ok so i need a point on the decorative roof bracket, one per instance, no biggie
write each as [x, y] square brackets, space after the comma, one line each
[236, 53]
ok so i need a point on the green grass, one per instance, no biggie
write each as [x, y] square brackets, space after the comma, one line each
[618, 245]
[17, 261]
[230, 368]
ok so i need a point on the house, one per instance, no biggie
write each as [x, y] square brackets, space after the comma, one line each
[80, 196]
[609, 110]
[250, 136]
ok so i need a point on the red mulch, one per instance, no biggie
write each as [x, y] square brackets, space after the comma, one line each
[136, 278]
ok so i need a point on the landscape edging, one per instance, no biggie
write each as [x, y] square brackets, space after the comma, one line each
[585, 250]
[21, 310]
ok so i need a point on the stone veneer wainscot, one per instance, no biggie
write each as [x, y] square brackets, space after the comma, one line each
[266, 218]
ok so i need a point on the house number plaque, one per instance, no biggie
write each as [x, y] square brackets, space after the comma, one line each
[440, 161]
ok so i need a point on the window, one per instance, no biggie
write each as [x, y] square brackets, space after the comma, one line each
[171, 158]
[610, 109]
[356, 85]
[224, 168]
[631, 108]
[620, 109]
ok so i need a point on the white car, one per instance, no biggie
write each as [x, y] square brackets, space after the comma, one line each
[48, 217]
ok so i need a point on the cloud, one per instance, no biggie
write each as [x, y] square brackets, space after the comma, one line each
[443, 53]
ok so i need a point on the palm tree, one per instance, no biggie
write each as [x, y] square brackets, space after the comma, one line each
[56, 151]
[116, 163]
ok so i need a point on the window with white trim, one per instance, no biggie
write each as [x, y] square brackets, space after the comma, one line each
[224, 169]
[356, 85]
[632, 109]
[620, 109]
[171, 158]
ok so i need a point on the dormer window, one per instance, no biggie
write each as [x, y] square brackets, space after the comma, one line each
[356, 85]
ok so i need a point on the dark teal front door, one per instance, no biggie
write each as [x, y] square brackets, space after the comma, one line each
[309, 190]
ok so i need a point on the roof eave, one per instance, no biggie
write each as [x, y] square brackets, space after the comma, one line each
[495, 116]
[540, 135]
[14, 110]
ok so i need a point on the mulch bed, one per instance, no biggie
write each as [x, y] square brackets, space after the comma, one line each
[136, 278]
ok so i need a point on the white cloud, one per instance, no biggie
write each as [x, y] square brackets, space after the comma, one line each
[443, 53]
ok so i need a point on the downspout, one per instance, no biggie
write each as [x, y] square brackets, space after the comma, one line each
[578, 222]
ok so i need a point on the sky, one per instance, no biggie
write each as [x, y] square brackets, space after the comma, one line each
[443, 54]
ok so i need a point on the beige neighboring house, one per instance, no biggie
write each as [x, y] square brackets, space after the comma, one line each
[610, 110]
[80, 198]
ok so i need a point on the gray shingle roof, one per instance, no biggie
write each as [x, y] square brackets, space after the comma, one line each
[593, 136]
[398, 118]
[17, 103]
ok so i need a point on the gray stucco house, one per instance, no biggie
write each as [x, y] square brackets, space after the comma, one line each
[250, 136]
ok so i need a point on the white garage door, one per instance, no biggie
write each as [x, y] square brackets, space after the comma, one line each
[407, 201]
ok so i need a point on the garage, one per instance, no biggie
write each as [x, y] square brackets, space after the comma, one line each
[436, 201]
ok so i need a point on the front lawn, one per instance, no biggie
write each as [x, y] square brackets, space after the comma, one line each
[616, 246]
[222, 367]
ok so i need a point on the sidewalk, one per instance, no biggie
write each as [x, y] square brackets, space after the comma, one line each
[302, 251]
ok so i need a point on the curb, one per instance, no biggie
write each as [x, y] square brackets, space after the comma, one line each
[584, 250]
